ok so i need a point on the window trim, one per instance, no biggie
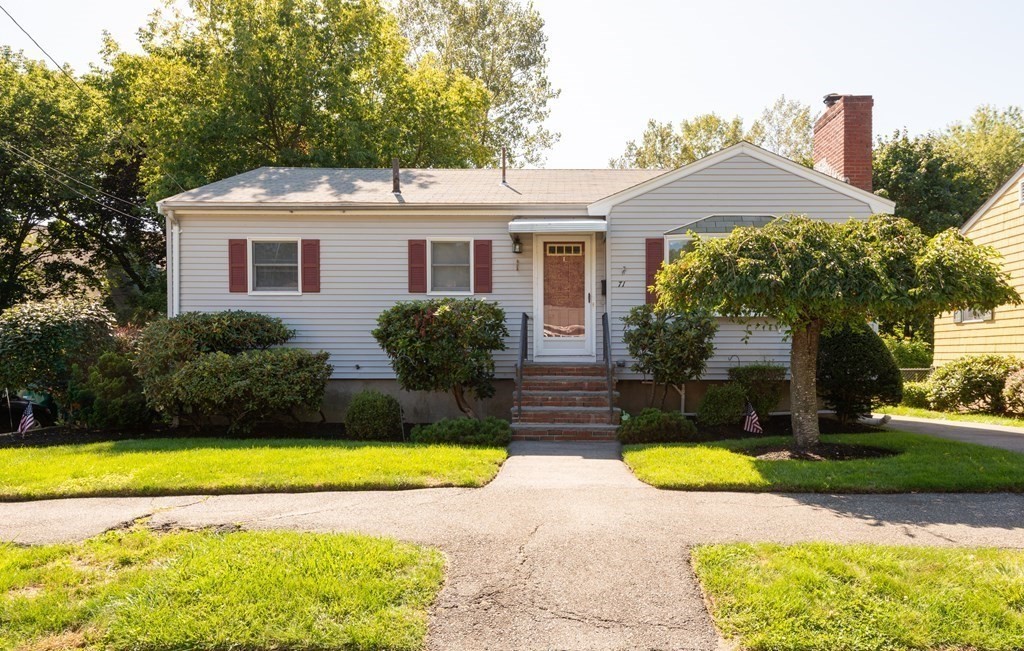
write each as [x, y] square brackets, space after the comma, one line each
[984, 316]
[251, 267]
[430, 267]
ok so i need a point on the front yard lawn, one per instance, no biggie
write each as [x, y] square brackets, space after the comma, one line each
[201, 590]
[826, 597]
[923, 464]
[191, 466]
[988, 419]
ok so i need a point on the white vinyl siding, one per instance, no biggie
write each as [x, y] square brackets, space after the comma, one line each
[741, 185]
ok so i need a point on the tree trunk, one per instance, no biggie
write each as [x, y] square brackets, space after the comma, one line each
[460, 400]
[803, 389]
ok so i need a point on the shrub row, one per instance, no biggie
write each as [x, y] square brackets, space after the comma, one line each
[974, 383]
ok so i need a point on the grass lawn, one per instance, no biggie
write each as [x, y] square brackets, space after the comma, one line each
[824, 597]
[201, 590]
[189, 466]
[988, 419]
[925, 464]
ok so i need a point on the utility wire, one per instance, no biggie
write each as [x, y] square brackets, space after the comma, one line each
[121, 130]
[29, 157]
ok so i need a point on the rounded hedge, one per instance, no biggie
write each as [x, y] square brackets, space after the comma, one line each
[723, 404]
[856, 372]
[491, 431]
[915, 394]
[762, 384]
[373, 415]
[1013, 393]
[656, 426]
[971, 383]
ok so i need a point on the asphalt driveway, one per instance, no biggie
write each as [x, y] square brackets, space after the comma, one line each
[565, 549]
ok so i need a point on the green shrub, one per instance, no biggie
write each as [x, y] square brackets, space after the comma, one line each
[762, 384]
[373, 415]
[1013, 392]
[250, 386]
[856, 371]
[723, 404]
[41, 343]
[909, 353]
[915, 394]
[670, 347]
[444, 344]
[656, 426]
[493, 432]
[110, 395]
[971, 383]
[165, 346]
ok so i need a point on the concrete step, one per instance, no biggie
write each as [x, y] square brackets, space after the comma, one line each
[564, 383]
[567, 398]
[584, 370]
[582, 415]
[562, 432]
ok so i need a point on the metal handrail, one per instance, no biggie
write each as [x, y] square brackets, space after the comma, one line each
[524, 344]
[608, 361]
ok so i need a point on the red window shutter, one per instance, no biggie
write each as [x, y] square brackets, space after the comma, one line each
[655, 247]
[238, 266]
[310, 266]
[482, 267]
[417, 266]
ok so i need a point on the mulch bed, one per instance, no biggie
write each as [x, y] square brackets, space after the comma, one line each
[820, 452]
[781, 426]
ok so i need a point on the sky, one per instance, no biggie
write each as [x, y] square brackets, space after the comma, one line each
[621, 62]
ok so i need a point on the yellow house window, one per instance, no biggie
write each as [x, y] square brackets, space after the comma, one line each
[972, 316]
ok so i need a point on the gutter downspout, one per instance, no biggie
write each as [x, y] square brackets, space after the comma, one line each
[173, 263]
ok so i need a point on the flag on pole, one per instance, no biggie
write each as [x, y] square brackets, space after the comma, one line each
[750, 420]
[28, 420]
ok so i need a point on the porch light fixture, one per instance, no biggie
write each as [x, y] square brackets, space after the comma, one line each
[517, 245]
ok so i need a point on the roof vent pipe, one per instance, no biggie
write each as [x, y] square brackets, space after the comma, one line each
[503, 182]
[396, 183]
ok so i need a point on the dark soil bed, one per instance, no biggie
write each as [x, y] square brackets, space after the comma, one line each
[820, 452]
[780, 426]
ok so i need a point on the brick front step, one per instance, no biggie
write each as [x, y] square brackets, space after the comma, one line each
[594, 415]
[563, 383]
[567, 398]
[565, 432]
[582, 370]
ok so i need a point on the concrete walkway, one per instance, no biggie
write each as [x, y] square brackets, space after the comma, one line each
[565, 549]
[997, 436]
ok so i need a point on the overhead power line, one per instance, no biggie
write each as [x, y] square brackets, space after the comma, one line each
[121, 130]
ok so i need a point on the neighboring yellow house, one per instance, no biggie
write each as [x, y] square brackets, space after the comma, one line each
[999, 223]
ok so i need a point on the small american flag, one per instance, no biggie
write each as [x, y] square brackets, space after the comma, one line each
[750, 420]
[28, 420]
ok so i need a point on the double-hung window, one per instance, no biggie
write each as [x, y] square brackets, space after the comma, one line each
[275, 266]
[450, 266]
[972, 316]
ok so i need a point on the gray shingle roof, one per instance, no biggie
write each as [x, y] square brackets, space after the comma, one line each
[309, 185]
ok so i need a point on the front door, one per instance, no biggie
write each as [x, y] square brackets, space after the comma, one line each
[564, 294]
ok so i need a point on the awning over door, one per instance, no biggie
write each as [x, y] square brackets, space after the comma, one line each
[559, 225]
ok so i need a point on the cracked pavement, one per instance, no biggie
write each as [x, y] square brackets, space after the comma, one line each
[565, 549]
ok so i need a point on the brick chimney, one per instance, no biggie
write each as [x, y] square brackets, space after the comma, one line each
[842, 139]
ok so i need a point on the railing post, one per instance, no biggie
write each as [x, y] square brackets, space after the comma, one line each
[524, 334]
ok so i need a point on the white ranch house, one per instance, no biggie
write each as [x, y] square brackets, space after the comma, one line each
[327, 250]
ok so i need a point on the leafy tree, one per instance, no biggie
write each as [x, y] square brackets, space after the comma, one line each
[813, 276]
[786, 128]
[909, 353]
[238, 84]
[669, 346]
[856, 371]
[444, 344]
[41, 343]
[502, 44]
[990, 146]
[929, 186]
[663, 146]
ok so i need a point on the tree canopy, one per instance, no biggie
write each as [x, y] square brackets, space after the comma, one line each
[813, 276]
[502, 44]
[243, 83]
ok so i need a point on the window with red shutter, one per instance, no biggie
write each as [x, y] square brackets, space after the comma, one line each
[655, 255]
[483, 267]
[238, 266]
[310, 266]
[417, 266]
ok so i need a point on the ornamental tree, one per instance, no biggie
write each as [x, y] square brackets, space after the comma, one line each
[811, 276]
[444, 344]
